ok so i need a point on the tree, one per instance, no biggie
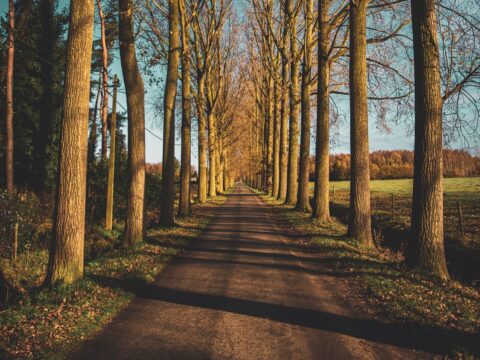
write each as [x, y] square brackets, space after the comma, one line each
[66, 253]
[136, 126]
[359, 226]
[167, 215]
[9, 109]
[321, 188]
[284, 114]
[104, 71]
[292, 179]
[303, 196]
[200, 105]
[111, 160]
[184, 204]
[426, 247]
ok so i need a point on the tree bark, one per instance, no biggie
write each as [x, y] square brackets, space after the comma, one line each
[220, 167]
[202, 141]
[66, 253]
[134, 88]
[269, 134]
[212, 157]
[292, 179]
[322, 159]
[276, 141]
[303, 196]
[167, 215]
[111, 160]
[426, 246]
[284, 115]
[359, 226]
[104, 109]
[9, 108]
[184, 203]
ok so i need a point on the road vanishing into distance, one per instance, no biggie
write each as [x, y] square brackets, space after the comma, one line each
[243, 290]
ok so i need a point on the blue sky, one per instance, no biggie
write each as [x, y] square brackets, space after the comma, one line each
[397, 138]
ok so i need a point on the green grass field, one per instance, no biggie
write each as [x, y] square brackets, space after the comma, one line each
[391, 223]
[466, 186]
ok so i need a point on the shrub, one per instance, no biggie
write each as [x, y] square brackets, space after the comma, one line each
[25, 210]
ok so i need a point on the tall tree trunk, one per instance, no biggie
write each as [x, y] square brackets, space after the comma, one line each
[269, 134]
[284, 115]
[359, 226]
[220, 167]
[212, 157]
[276, 141]
[167, 215]
[292, 179]
[202, 142]
[303, 196]
[134, 228]
[322, 159]
[66, 253]
[111, 160]
[9, 108]
[426, 247]
[184, 203]
[104, 110]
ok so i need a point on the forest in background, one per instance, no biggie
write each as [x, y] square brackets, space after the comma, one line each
[398, 164]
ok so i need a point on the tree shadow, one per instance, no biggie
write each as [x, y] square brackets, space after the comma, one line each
[410, 335]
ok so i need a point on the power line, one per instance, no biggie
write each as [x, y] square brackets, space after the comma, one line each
[146, 129]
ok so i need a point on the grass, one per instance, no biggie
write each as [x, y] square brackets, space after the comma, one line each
[444, 315]
[51, 322]
[391, 224]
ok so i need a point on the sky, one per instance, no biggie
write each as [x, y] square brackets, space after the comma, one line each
[397, 138]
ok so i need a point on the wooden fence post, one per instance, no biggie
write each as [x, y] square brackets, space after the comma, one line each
[393, 206]
[460, 221]
[15, 242]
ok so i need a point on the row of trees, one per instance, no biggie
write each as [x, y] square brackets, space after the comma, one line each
[199, 50]
[398, 164]
[282, 80]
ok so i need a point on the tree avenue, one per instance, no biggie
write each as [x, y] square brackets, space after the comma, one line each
[261, 98]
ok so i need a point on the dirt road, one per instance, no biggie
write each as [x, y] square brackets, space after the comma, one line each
[244, 291]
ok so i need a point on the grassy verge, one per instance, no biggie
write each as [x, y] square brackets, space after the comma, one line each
[50, 322]
[391, 202]
[444, 315]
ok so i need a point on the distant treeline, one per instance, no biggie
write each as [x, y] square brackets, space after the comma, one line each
[398, 164]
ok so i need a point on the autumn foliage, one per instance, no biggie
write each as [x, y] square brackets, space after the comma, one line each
[398, 164]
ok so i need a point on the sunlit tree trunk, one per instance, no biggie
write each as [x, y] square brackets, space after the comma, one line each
[276, 141]
[104, 109]
[167, 214]
[269, 134]
[359, 226]
[212, 157]
[184, 203]
[219, 160]
[9, 108]
[66, 253]
[426, 246]
[284, 115]
[134, 228]
[292, 179]
[321, 193]
[303, 196]
[202, 142]
[111, 160]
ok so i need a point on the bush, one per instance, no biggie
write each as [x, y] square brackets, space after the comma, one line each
[25, 210]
